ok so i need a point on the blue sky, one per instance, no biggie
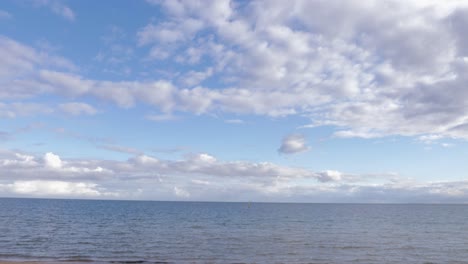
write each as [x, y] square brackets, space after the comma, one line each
[234, 100]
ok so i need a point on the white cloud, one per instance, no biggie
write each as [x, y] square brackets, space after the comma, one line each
[330, 175]
[204, 164]
[19, 160]
[54, 188]
[26, 166]
[20, 67]
[57, 7]
[364, 72]
[293, 143]
[429, 139]
[17, 109]
[193, 78]
[169, 32]
[52, 161]
[270, 58]
[52, 165]
[65, 83]
[179, 192]
[77, 108]
[203, 177]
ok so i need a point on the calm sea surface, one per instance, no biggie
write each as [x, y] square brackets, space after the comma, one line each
[196, 232]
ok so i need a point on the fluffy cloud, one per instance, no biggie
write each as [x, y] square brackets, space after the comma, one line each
[142, 166]
[54, 188]
[294, 143]
[20, 68]
[50, 166]
[330, 175]
[207, 165]
[341, 68]
[270, 58]
[52, 161]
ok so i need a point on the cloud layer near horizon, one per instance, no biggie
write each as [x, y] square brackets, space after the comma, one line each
[201, 176]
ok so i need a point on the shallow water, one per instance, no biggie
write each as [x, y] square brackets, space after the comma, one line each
[197, 232]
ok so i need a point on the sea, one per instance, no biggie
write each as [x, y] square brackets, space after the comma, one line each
[52, 230]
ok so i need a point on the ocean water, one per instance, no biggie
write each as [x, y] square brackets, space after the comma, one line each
[198, 232]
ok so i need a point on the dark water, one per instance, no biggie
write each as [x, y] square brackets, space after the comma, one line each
[174, 232]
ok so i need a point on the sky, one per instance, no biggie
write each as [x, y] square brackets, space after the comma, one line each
[269, 101]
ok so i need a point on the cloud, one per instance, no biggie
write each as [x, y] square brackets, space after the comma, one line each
[274, 59]
[22, 166]
[396, 192]
[193, 78]
[20, 68]
[20, 109]
[347, 75]
[429, 139]
[330, 175]
[54, 188]
[294, 143]
[17, 109]
[204, 177]
[17, 160]
[52, 161]
[57, 7]
[51, 165]
[169, 32]
[204, 164]
[76, 108]
[179, 192]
